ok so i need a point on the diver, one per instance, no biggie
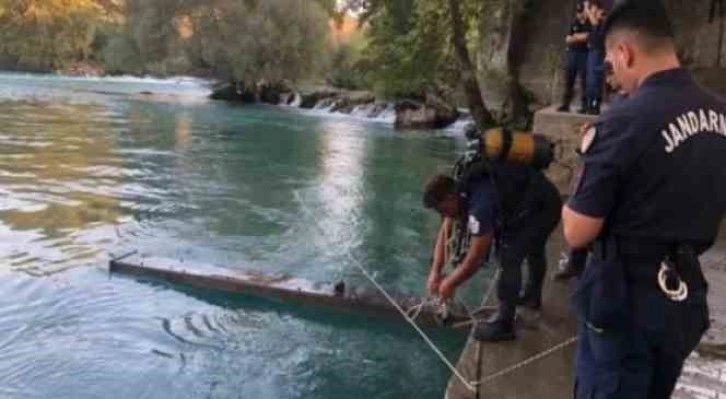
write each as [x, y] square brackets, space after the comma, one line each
[510, 206]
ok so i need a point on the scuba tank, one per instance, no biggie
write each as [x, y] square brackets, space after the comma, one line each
[501, 146]
[504, 145]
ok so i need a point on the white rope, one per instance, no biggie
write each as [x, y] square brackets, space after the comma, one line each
[526, 362]
[413, 324]
[470, 385]
[417, 309]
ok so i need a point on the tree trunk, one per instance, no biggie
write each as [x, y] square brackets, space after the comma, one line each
[478, 109]
[517, 111]
[503, 35]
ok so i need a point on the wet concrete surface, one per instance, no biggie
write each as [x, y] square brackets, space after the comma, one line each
[704, 375]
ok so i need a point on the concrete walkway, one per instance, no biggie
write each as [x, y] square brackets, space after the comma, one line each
[552, 376]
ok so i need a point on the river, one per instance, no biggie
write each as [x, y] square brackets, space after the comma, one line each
[95, 167]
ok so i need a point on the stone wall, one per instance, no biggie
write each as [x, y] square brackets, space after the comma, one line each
[701, 40]
[563, 130]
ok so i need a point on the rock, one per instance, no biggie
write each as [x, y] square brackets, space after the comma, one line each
[288, 98]
[342, 105]
[310, 100]
[377, 109]
[326, 102]
[262, 92]
[234, 92]
[268, 93]
[275, 93]
[345, 103]
[434, 113]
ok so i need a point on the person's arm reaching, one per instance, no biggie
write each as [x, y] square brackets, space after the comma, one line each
[439, 256]
[478, 250]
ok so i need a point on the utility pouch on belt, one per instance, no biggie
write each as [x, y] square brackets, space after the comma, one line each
[601, 299]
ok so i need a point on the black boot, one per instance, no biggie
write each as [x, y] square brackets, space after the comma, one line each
[594, 108]
[531, 299]
[583, 107]
[494, 331]
[500, 329]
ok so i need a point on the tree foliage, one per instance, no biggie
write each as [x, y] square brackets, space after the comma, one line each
[247, 40]
[260, 40]
[409, 50]
[48, 34]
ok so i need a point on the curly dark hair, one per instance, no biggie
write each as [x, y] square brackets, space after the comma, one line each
[437, 189]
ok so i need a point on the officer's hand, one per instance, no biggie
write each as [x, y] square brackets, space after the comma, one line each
[433, 283]
[446, 289]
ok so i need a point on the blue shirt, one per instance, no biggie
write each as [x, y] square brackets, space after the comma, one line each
[657, 167]
[482, 206]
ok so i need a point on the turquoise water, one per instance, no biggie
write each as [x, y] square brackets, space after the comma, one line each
[91, 167]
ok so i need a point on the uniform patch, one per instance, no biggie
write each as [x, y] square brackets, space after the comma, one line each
[474, 225]
[588, 139]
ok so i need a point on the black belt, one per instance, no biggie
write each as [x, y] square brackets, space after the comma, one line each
[648, 258]
[637, 249]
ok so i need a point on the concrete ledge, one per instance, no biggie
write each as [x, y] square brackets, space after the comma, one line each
[563, 129]
[552, 376]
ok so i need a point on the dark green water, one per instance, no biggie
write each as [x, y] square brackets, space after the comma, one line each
[89, 168]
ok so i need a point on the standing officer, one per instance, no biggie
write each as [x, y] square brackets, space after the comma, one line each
[517, 205]
[595, 56]
[574, 264]
[576, 59]
[651, 198]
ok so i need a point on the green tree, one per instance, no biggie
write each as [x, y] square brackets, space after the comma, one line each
[407, 54]
[241, 40]
[270, 40]
[427, 45]
[48, 34]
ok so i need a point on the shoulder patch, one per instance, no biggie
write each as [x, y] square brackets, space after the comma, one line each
[474, 225]
[588, 139]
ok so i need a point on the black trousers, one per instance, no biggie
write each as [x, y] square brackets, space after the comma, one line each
[576, 65]
[525, 237]
[577, 259]
[644, 358]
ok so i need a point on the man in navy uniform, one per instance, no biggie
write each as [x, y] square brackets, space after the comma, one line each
[514, 204]
[576, 59]
[649, 201]
[595, 56]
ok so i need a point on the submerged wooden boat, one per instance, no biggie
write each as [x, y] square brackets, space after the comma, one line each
[290, 289]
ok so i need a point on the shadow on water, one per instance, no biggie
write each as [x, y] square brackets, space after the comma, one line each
[450, 341]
